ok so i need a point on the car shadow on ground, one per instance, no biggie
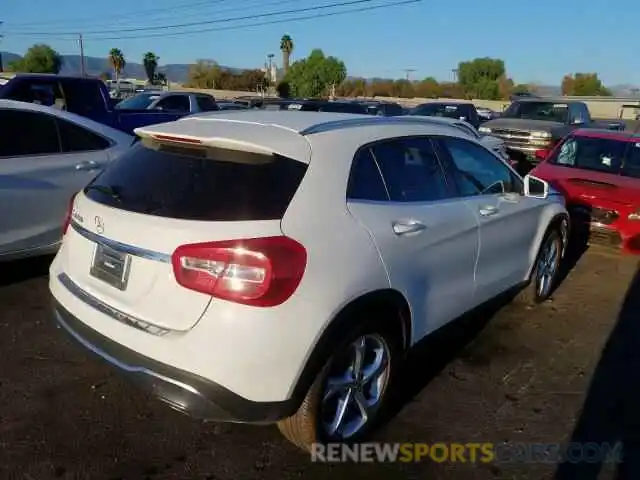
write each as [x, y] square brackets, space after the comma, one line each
[431, 356]
[22, 270]
[611, 411]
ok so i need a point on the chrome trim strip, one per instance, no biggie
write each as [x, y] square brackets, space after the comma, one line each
[121, 247]
[117, 363]
[114, 313]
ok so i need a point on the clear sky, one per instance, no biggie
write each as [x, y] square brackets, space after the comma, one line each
[539, 41]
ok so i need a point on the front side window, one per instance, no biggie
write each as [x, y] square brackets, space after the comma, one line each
[75, 138]
[411, 170]
[476, 171]
[174, 103]
[206, 103]
[28, 133]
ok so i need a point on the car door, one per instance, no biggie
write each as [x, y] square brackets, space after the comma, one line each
[508, 220]
[427, 238]
[42, 164]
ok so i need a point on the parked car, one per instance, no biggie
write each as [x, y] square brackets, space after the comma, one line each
[315, 105]
[382, 109]
[598, 171]
[88, 97]
[460, 110]
[231, 106]
[183, 103]
[494, 144]
[46, 155]
[284, 278]
[532, 124]
[486, 114]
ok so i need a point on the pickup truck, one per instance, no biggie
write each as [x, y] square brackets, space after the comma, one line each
[536, 123]
[88, 97]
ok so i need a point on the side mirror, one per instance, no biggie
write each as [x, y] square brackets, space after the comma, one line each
[464, 119]
[541, 154]
[535, 187]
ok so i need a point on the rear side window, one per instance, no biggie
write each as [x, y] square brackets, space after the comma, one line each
[186, 184]
[590, 153]
[365, 181]
[206, 103]
[28, 133]
[84, 97]
[77, 139]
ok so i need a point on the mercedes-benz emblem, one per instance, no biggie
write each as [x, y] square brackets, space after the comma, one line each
[99, 224]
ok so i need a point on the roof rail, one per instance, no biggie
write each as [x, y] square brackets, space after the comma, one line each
[363, 122]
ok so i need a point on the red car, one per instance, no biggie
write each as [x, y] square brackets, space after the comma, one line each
[598, 172]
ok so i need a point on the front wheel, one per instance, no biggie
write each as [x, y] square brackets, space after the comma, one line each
[544, 275]
[343, 403]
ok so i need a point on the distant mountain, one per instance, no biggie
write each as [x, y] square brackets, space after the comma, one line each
[175, 72]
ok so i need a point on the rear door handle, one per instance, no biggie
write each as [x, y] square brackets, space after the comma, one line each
[89, 165]
[488, 210]
[408, 227]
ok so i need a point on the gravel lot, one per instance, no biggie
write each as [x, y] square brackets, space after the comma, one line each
[519, 375]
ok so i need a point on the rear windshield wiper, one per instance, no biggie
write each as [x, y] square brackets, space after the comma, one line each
[112, 192]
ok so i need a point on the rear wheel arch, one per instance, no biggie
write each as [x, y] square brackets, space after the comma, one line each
[379, 302]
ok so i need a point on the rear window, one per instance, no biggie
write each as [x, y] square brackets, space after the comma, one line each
[590, 153]
[190, 184]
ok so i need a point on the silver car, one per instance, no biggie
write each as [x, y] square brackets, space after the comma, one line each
[46, 155]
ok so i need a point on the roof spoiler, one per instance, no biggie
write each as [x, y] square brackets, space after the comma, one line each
[202, 142]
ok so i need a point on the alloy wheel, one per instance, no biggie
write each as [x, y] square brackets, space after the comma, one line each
[355, 387]
[547, 267]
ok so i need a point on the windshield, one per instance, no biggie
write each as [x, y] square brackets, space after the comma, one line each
[138, 102]
[554, 112]
[438, 110]
[607, 155]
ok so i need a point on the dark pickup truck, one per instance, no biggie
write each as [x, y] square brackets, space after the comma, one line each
[536, 123]
[88, 97]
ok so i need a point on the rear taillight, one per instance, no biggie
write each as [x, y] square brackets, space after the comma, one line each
[261, 272]
[67, 219]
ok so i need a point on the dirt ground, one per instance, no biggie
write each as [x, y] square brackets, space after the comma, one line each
[518, 375]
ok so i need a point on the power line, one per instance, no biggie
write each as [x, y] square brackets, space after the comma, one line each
[119, 15]
[202, 22]
[301, 18]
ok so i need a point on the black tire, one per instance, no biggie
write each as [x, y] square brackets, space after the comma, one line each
[306, 428]
[531, 293]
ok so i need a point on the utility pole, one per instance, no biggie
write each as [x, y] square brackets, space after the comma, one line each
[408, 72]
[82, 65]
[271, 79]
[1, 37]
[455, 74]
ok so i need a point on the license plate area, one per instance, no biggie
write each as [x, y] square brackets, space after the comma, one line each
[111, 266]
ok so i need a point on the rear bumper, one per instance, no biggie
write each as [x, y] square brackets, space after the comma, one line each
[183, 391]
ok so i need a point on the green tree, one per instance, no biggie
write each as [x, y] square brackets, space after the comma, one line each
[480, 77]
[428, 88]
[204, 74]
[159, 78]
[584, 85]
[150, 62]
[40, 58]
[315, 75]
[283, 89]
[117, 62]
[286, 47]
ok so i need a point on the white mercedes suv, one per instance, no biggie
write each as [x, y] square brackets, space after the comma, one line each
[275, 266]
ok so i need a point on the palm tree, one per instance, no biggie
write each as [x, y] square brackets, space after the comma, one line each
[150, 62]
[286, 46]
[117, 62]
